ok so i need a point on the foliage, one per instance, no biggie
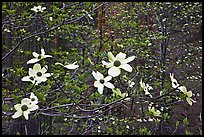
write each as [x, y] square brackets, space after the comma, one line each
[163, 37]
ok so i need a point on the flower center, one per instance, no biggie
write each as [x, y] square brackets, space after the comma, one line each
[24, 107]
[32, 78]
[117, 63]
[39, 57]
[32, 99]
[39, 74]
[102, 81]
[175, 83]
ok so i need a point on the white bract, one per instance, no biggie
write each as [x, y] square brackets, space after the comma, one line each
[174, 82]
[101, 81]
[33, 98]
[145, 88]
[38, 9]
[69, 66]
[118, 62]
[31, 77]
[188, 95]
[7, 30]
[37, 74]
[38, 57]
[24, 108]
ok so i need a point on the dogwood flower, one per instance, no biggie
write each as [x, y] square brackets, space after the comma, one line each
[188, 95]
[31, 77]
[24, 108]
[37, 74]
[40, 73]
[131, 83]
[118, 62]
[153, 112]
[145, 88]
[38, 9]
[38, 57]
[33, 98]
[101, 81]
[69, 66]
[174, 82]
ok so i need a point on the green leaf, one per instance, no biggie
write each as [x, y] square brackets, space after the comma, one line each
[58, 94]
[185, 121]
[177, 124]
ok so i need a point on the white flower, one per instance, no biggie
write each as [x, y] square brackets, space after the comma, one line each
[33, 98]
[146, 88]
[24, 108]
[101, 81]
[150, 119]
[37, 74]
[139, 120]
[131, 84]
[38, 9]
[69, 66]
[38, 57]
[188, 95]
[31, 77]
[117, 92]
[174, 82]
[51, 18]
[118, 62]
[7, 30]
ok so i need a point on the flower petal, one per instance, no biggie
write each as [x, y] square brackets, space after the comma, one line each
[100, 76]
[34, 60]
[120, 56]
[126, 67]
[111, 57]
[171, 76]
[47, 56]
[71, 66]
[108, 78]
[43, 70]
[182, 88]
[114, 71]
[129, 59]
[47, 75]
[41, 79]
[97, 84]
[189, 101]
[189, 94]
[32, 95]
[95, 75]
[26, 78]
[35, 54]
[37, 67]
[142, 84]
[108, 65]
[33, 107]
[31, 72]
[100, 88]
[42, 52]
[26, 101]
[109, 85]
[25, 114]
[17, 107]
[17, 114]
